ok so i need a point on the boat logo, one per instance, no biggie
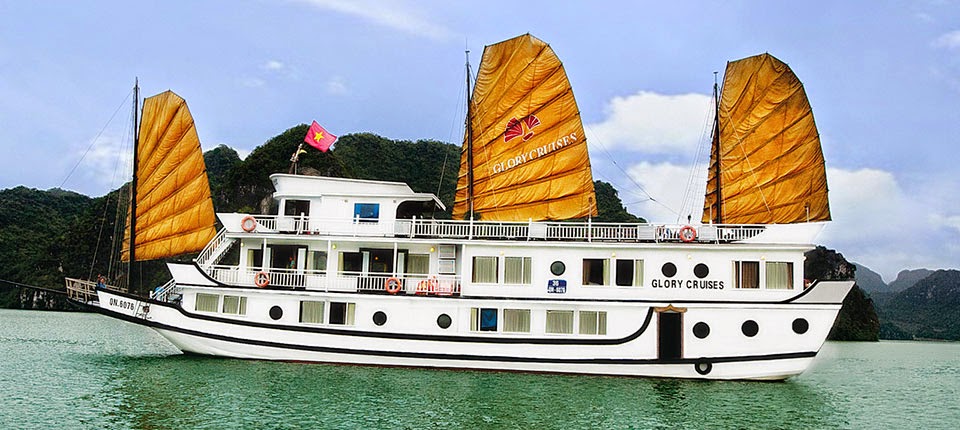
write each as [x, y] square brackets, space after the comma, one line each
[515, 128]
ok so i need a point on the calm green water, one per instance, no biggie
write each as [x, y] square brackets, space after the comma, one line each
[66, 370]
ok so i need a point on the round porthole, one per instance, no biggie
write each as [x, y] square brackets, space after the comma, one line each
[750, 328]
[276, 313]
[379, 318]
[701, 270]
[701, 330]
[669, 269]
[800, 326]
[444, 321]
[557, 268]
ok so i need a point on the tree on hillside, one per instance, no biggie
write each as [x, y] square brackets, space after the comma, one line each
[609, 205]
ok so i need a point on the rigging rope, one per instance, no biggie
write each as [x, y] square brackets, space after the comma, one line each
[89, 147]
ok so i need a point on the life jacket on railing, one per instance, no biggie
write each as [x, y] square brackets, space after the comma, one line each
[427, 286]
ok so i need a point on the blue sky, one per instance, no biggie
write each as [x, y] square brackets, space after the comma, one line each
[883, 79]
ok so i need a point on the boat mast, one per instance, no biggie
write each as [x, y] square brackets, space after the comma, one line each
[469, 147]
[716, 147]
[133, 182]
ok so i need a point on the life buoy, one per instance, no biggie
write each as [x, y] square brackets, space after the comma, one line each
[688, 234]
[262, 279]
[392, 285]
[248, 224]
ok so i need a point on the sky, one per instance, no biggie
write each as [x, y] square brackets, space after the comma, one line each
[883, 78]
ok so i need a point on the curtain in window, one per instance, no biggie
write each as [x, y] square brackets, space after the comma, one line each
[319, 262]
[516, 320]
[779, 275]
[485, 270]
[207, 302]
[311, 312]
[748, 274]
[418, 264]
[516, 270]
[231, 304]
[638, 273]
[593, 322]
[560, 322]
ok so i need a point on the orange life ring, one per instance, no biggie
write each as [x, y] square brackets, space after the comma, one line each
[688, 234]
[248, 224]
[262, 279]
[392, 285]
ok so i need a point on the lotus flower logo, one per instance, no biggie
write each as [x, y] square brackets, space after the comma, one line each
[515, 128]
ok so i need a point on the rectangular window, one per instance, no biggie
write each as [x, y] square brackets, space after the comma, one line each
[236, 305]
[318, 261]
[779, 275]
[366, 212]
[629, 273]
[485, 270]
[311, 312]
[255, 258]
[517, 270]
[516, 320]
[483, 319]
[596, 271]
[746, 274]
[559, 322]
[208, 302]
[593, 322]
[418, 264]
[342, 313]
[351, 262]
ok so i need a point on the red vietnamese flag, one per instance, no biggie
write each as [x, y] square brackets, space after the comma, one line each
[319, 138]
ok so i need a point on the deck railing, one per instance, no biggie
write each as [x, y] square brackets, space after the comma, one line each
[540, 230]
[338, 281]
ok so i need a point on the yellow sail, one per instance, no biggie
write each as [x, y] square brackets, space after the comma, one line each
[174, 210]
[771, 165]
[529, 152]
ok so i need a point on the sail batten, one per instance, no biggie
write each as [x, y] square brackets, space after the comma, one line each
[174, 211]
[529, 152]
[771, 168]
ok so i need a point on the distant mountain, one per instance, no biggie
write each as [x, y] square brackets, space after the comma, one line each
[858, 318]
[907, 278]
[930, 309]
[870, 281]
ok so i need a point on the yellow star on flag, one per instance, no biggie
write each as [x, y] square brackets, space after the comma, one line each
[317, 137]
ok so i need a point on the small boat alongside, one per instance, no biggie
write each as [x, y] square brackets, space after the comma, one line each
[360, 272]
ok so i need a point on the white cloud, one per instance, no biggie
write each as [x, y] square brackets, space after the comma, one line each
[654, 123]
[395, 14]
[106, 162]
[337, 85]
[664, 197]
[251, 82]
[949, 40]
[273, 65]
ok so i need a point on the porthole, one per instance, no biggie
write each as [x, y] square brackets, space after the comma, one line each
[701, 270]
[379, 318]
[444, 321]
[276, 312]
[750, 328]
[701, 330]
[557, 268]
[800, 326]
[669, 269]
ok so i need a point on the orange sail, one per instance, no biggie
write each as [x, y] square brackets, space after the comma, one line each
[529, 153]
[174, 210]
[771, 165]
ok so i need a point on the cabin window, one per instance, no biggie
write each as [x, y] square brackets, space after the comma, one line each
[318, 261]
[596, 271]
[236, 305]
[779, 275]
[207, 302]
[517, 270]
[418, 264]
[593, 322]
[311, 312]
[516, 320]
[351, 262]
[629, 273]
[485, 270]
[296, 208]
[559, 322]
[483, 319]
[746, 274]
[366, 212]
[342, 313]
[255, 258]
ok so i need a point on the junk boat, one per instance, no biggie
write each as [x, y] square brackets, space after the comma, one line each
[359, 272]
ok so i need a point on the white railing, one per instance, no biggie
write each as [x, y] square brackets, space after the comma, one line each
[168, 292]
[215, 249]
[338, 281]
[457, 229]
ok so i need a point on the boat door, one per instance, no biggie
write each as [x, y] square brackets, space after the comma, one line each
[670, 333]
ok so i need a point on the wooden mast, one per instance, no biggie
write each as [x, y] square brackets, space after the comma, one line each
[716, 148]
[133, 182]
[469, 147]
